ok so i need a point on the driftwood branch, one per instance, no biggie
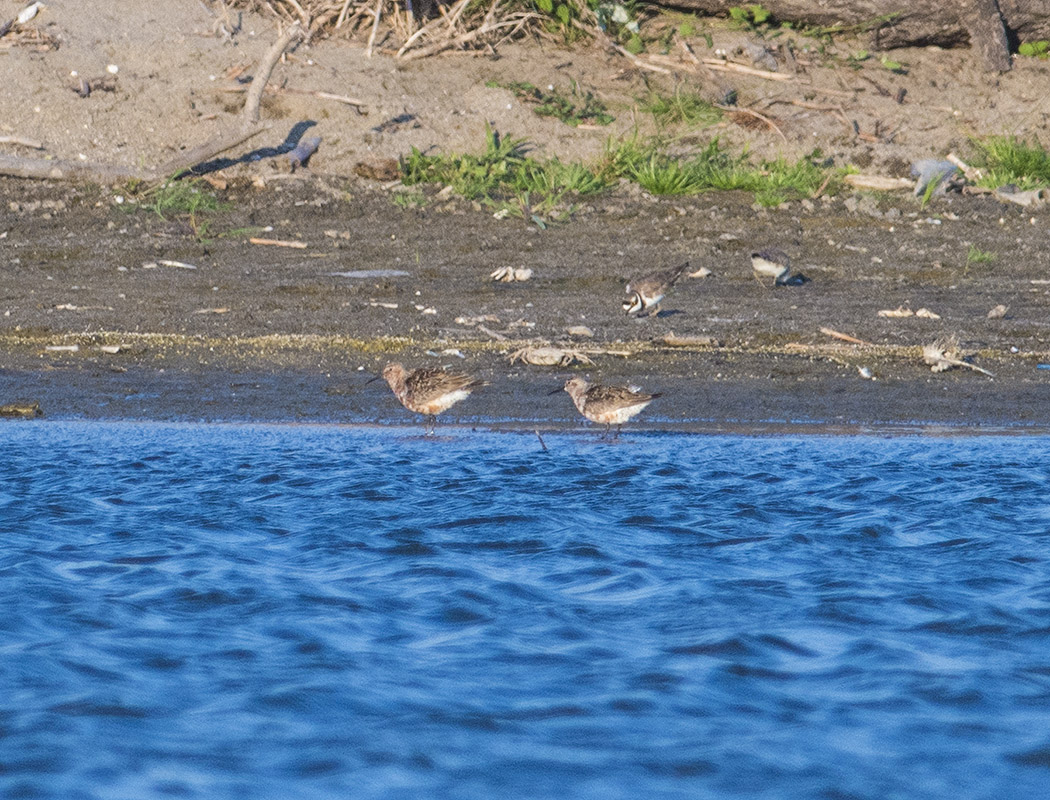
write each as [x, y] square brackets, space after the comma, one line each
[56, 170]
[250, 114]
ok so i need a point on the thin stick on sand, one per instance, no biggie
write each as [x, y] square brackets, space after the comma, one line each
[845, 337]
[278, 243]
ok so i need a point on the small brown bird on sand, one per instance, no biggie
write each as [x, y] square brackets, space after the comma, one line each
[607, 405]
[646, 292]
[428, 390]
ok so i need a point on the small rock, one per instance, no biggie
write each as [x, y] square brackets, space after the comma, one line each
[998, 312]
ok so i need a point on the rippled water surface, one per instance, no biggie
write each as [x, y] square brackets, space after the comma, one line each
[300, 612]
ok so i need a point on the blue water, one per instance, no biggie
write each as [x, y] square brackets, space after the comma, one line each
[324, 612]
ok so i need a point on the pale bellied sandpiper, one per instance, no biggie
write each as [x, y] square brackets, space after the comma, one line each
[771, 263]
[646, 292]
[607, 405]
[428, 390]
[776, 264]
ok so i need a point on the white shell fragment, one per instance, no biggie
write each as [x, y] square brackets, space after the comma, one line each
[164, 262]
[511, 274]
[925, 313]
[28, 13]
[371, 273]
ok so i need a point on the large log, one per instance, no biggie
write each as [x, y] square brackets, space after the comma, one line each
[986, 25]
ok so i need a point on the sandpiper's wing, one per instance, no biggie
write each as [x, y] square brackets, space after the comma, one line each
[656, 282]
[601, 398]
[774, 254]
[429, 383]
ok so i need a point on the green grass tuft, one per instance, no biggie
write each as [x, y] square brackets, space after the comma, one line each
[977, 256]
[573, 109]
[182, 197]
[505, 177]
[682, 108]
[1009, 160]
[177, 198]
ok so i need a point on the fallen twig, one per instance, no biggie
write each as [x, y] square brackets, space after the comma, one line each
[499, 337]
[879, 183]
[836, 110]
[729, 66]
[22, 141]
[45, 169]
[972, 173]
[378, 12]
[844, 337]
[339, 98]
[823, 185]
[278, 243]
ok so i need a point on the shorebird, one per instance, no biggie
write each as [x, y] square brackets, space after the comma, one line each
[776, 264]
[428, 390]
[771, 263]
[646, 292]
[607, 405]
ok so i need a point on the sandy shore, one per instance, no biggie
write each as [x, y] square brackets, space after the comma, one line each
[269, 333]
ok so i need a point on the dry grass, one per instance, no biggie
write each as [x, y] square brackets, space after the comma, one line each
[387, 25]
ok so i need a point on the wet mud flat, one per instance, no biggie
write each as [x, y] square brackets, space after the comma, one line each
[110, 312]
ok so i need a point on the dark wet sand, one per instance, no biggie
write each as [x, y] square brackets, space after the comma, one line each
[262, 333]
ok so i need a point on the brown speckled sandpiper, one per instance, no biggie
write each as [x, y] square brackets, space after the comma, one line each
[428, 390]
[607, 405]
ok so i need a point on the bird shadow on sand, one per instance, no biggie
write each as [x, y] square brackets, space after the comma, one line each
[661, 314]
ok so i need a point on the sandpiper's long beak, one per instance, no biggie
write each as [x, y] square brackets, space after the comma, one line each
[373, 380]
[555, 391]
